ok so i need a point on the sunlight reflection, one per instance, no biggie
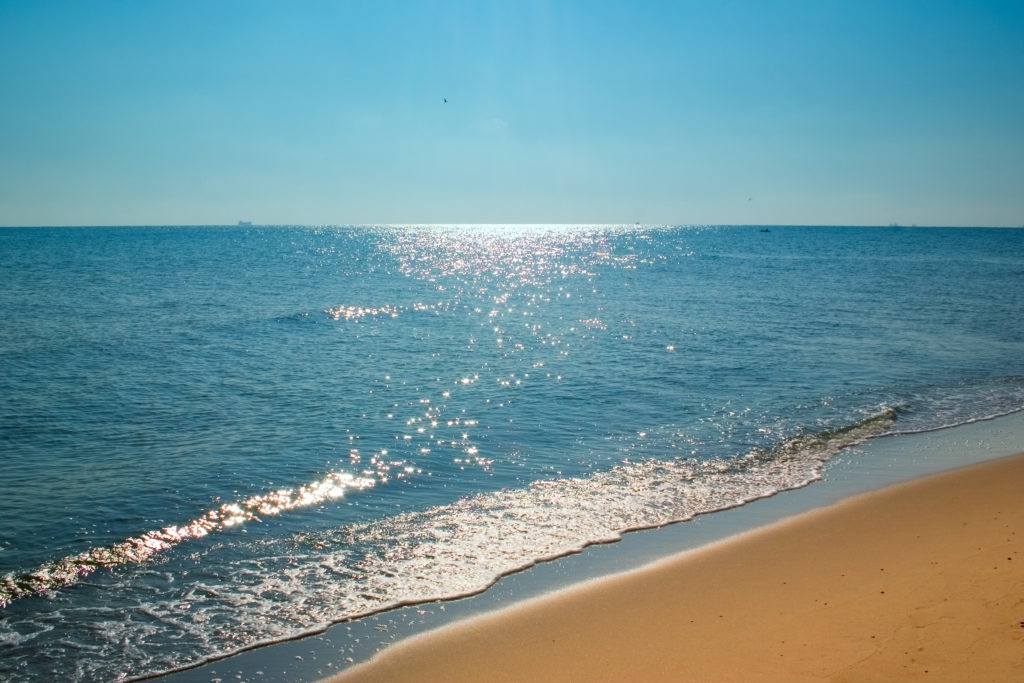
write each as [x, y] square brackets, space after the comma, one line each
[139, 549]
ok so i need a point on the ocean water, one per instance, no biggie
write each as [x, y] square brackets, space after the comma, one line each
[217, 438]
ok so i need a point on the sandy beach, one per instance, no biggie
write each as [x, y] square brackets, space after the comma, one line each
[920, 581]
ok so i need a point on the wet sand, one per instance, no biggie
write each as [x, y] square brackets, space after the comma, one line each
[920, 581]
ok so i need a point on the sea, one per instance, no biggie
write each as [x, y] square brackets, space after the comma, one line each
[216, 439]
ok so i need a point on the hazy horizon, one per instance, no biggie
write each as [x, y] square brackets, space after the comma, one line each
[252, 224]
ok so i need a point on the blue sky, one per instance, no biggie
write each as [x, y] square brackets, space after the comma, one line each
[812, 112]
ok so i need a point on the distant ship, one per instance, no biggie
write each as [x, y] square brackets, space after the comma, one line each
[245, 224]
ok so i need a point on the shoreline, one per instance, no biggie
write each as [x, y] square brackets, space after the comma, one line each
[917, 580]
[871, 466]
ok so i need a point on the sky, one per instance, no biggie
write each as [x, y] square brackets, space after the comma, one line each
[687, 112]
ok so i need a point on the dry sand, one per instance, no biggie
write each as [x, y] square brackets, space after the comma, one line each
[921, 581]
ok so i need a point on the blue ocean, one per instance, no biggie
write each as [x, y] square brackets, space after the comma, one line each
[217, 438]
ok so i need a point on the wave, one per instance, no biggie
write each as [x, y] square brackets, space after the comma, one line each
[929, 410]
[461, 549]
[137, 550]
[627, 497]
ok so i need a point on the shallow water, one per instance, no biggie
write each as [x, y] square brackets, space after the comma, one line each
[216, 438]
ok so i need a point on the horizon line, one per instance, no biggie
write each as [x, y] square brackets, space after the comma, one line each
[249, 224]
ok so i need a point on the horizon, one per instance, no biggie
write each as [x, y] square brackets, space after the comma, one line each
[749, 113]
[250, 224]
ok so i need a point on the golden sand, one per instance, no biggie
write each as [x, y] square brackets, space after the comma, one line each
[920, 581]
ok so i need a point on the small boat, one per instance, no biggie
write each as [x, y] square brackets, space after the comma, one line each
[245, 224]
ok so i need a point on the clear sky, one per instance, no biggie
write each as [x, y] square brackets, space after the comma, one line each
[807, 112]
